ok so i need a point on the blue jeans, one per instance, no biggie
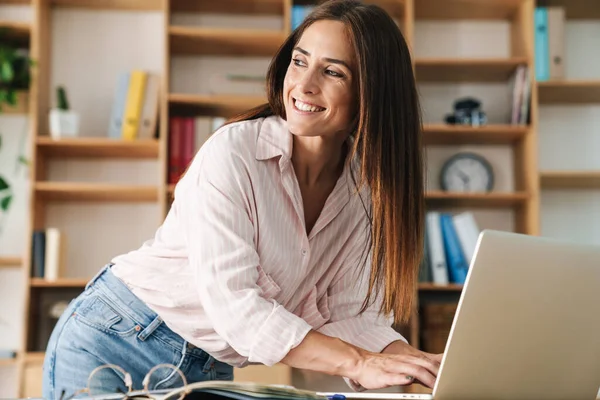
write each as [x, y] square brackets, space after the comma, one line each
[108, 324]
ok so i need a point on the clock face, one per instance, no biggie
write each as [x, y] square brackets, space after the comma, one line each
[467, 172]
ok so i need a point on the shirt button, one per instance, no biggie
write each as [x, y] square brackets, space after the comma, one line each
[304, 252]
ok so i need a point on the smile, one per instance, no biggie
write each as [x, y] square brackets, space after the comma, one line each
[306, 107]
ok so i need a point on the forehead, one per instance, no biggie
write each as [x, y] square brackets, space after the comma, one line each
[327, 38]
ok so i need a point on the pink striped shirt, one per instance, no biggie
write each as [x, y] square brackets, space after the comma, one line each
[232, 269]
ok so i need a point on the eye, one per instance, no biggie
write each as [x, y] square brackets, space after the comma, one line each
[333, 73]
[298, 62]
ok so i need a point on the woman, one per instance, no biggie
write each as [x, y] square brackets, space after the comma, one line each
[294, 236]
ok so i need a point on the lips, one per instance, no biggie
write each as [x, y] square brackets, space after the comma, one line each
[307, 107]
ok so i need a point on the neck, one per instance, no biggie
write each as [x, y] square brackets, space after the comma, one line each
[317, 161]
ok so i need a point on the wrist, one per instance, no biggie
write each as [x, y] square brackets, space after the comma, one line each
[352, 363]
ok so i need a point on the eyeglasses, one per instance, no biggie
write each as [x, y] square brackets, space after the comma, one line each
[146, 393]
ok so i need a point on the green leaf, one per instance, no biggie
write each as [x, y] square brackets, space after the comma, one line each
[3, 184]
[5, 203]
[6, 72]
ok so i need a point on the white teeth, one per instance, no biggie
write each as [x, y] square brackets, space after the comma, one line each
[306, 107]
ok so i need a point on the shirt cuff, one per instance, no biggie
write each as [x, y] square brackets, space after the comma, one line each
[281, 332]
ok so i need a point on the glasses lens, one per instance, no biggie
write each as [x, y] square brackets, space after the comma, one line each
[163, 377]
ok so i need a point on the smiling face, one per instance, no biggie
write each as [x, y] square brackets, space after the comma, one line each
[319, 86]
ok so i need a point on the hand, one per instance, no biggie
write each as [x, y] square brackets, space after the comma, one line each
[401, 347]
[400, 365]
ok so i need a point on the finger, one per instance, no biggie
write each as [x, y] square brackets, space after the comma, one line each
[435, 357]
[417, 373]
[432, 366]
[398, 379]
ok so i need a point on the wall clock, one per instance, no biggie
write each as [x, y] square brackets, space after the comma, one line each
[467, 172]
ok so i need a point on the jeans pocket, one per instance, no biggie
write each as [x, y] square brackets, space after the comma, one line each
[97, 313]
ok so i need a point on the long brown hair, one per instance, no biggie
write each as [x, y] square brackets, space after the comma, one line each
[387, 142]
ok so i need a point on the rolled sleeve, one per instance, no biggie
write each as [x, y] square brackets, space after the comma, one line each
[215, 210]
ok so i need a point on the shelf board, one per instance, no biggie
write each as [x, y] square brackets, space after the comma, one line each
[570, 179]
[17, 33]
[59, 283]
[426, 286]
[445, 134]
[466, 70]
[97, 147]
[218, 41]
[264, 7]
[75, 191]
[466, 9]
[477, 200]
[569, 92]
[133, 5]
[577, 9]
[10, 262]
[213, 105]
[8, 362]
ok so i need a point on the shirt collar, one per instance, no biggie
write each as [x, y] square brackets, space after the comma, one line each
[274, 139]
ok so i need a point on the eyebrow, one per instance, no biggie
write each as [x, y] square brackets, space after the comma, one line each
[331, 60]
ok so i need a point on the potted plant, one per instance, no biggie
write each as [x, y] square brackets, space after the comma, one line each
[15, 80]
[63, 121]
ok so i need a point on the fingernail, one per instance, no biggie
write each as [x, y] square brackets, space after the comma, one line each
[410, 378]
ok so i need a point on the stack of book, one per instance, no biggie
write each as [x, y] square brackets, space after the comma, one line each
[134, 113]
[450, 242]
[186, 136]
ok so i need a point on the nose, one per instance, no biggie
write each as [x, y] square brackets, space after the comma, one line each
[308, 82]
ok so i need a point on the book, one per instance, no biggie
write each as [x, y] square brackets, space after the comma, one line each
[215, 390]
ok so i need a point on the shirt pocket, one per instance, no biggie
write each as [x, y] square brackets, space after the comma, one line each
[314, 310]
[268, 286]
[97, 313]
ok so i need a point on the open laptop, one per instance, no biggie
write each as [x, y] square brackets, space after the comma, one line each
[527, 324]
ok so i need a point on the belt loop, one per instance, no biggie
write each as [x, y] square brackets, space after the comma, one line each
[95, 278]
[209, 364]
[143, 335]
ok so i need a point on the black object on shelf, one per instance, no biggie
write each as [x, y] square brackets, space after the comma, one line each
[467, 111]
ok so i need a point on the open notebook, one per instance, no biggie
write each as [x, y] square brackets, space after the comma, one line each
[221, 390]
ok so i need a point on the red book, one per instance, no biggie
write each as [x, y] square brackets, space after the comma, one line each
[175, 147]
[188, 142]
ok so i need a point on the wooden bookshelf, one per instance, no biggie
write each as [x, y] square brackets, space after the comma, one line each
[570, 179]
[569, 92]
[21, 2]
[10, 362]
[95, 192]
[476, 200]
[466, 70]
[444, 134]
[217, 105]
[17, 32]
[97, 147]
[124, 5]
[577, 9]
[431, 287]
[10, 262]
[197, 41]
[213, 41]
[245, 7]
[469, 9]
[59, 283]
